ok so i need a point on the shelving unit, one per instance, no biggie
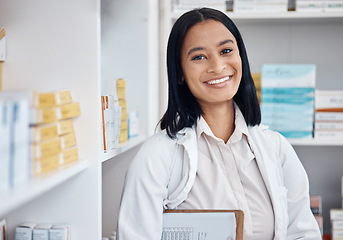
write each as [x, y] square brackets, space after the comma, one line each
[122, 148]
[129, 50]
[39, 185]
[82, 46]
[292, 37]
[316, 142]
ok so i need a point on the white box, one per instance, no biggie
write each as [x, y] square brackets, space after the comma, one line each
[133, 124]
[246, 6]
[309, 6]
[328, 99]
[288, 76]
[24, 231]
[19, 108]
[337, 225]
[5, 126]
[336, 214]
[329, 125]
[328, 116]
[41, 232]
[333, 6]
[59, 232]
[337, 234]
[327, 134]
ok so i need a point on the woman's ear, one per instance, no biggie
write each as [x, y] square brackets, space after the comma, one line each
[182, 81]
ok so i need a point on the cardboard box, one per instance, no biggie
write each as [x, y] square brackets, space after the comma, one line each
[24, 231]
[41, 232]
[59, 232]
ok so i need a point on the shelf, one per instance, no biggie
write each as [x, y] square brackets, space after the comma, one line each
[277, 15]
[39, 185]
[316, 142]
[123, 147]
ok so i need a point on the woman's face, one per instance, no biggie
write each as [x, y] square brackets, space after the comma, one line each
[211, 63]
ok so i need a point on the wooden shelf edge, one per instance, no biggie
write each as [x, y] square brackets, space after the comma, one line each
[123, 147]
[36, 186]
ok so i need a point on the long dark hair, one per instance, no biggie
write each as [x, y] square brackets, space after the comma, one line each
[183, 109]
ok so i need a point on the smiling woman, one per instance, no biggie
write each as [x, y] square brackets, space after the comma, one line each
[188, 42]
[212, 152]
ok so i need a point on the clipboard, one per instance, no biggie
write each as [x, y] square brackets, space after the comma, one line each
[239, 216]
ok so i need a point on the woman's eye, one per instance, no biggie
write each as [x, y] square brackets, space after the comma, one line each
[198, 57]
[226, 51]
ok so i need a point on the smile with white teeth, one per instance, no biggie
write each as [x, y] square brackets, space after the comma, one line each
[212, 82]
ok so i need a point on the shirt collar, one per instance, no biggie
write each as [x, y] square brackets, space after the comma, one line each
[240, 127]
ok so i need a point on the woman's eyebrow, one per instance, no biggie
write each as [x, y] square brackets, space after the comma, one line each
[202, 48]
[194, 50]
[225, 41]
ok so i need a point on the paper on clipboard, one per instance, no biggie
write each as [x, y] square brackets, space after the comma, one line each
[201, 225]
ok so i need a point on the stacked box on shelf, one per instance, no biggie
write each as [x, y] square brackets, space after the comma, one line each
[309, 5]
[35, 134]
[336, 216]
[245, 6]
[14, 140]
[316, 208]
[111, 112]
[333, 6]
[53, 140]
[124, 116]
[133, 124]
[287, 102]
[185, 5]
[328, 114]
[45, 231]
[257, 81]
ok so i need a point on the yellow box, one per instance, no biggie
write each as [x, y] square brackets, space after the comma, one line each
[123, 103]
[52, 146]
[51, 162]
[46, 164]
[121, 88]
[51, 99]
[121, 83]
[46, 148]
[68, 140]
[123, 116]
[124, 124]
[69, 155]
[257, 79]
[49, 131]
[53, 114]
[123, 136]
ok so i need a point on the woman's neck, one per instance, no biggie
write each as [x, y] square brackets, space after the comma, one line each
[221, 119]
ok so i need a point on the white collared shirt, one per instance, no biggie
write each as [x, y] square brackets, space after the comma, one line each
[228, 177]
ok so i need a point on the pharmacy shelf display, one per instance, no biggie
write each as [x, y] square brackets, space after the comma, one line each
[46, 52]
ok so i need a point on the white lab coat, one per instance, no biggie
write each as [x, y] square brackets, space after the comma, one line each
[163, 172]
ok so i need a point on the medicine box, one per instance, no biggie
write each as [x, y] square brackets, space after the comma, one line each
[24, 231]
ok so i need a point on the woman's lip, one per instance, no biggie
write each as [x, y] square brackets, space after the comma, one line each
[218, 80]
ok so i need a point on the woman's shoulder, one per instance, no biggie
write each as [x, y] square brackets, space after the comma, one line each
[263, 132]
[159, 139]
[158, 143]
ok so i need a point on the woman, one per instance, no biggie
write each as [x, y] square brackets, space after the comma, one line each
[213, 153]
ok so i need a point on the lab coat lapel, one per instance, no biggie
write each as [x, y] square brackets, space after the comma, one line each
[268, 169]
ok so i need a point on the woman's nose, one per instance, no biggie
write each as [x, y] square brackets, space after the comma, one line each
[216, 65]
